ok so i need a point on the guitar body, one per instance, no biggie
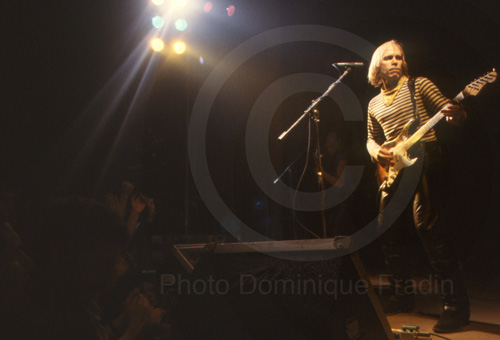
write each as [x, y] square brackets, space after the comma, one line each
[388, 174]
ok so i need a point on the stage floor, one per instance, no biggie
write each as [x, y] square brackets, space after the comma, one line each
[484, 294]
[474, 331]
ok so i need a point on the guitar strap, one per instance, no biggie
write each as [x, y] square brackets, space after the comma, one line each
[411, 87]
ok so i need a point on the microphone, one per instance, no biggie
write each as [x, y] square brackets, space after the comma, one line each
[354, 64]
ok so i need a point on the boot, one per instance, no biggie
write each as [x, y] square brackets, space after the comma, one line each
[453, 318]
[456, 310]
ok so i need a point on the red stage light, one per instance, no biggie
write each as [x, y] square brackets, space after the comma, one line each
[208, 6]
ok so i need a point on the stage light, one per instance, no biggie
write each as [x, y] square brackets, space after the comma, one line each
[179, 47]
[202, 61]
[157, 44]
[208, 6]
[230, 10]
[158, 21]
[158, 2]
[181, 24]
[179, 3]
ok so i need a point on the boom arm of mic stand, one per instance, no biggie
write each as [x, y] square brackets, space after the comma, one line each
[315, 103]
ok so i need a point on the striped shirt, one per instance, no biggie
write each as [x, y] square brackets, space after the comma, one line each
[386, 122]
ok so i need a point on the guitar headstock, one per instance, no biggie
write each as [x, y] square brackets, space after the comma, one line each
[477, 85]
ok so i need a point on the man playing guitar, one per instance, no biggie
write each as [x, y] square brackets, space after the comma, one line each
[402, 99]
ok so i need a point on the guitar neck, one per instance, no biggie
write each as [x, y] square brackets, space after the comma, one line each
[429, 125]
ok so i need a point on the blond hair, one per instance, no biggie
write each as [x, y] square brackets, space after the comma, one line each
[374, 76]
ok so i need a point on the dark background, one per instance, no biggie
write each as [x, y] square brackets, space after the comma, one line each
[86, 105]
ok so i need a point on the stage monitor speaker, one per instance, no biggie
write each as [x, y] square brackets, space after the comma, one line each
[251, 291]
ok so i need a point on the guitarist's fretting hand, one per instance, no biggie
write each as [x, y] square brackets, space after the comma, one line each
[385, 157]
[455, 113]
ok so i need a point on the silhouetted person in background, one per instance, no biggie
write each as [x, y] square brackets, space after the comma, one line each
[15, 266]
[79, 255]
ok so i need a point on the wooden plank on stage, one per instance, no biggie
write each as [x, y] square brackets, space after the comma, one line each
[363, 274]
[328, 244]
[182, 251]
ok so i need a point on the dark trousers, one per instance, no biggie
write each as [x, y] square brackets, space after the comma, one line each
[426, 204]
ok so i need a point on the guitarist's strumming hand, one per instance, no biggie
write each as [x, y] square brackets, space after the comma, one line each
[385, 157]
[455, 113]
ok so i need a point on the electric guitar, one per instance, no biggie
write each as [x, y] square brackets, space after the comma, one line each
[400, 146]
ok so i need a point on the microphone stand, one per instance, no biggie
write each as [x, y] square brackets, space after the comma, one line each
[319, 170]
[315, 103]
[319, 166]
